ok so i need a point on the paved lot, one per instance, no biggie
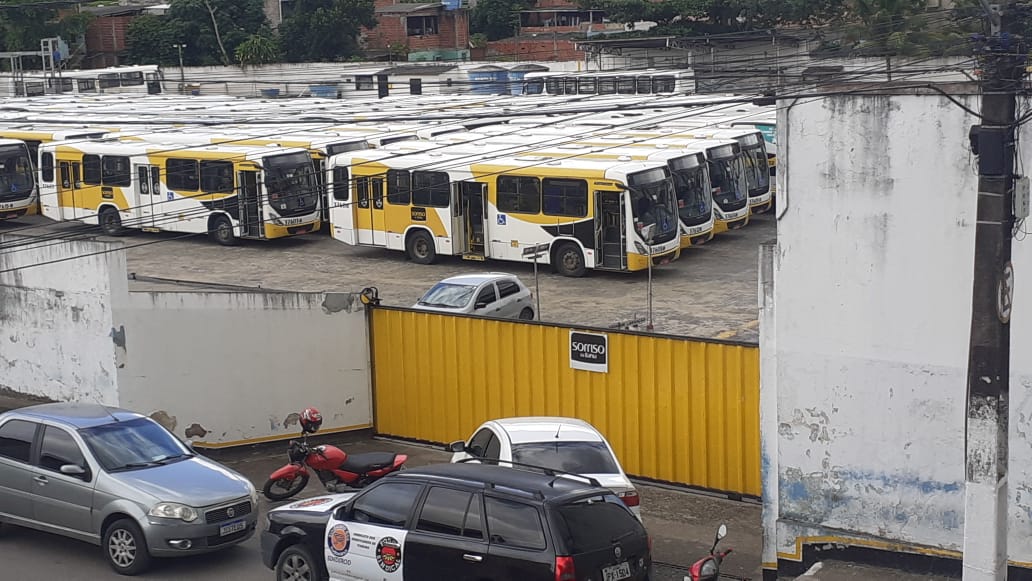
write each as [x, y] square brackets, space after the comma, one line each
[710, 292]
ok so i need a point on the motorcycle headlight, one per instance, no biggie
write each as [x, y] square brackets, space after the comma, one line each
[173, 510]
[709, 568]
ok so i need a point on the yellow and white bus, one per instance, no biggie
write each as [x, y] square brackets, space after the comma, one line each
[18, 190]
[578, 214]
[226, 191]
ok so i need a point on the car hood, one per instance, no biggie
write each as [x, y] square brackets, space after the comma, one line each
[439, 309]
[196, 482]
[325, 503]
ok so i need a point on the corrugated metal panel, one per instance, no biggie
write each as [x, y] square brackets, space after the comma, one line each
[678, 410]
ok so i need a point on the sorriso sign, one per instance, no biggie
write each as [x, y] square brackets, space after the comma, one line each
[589, 351]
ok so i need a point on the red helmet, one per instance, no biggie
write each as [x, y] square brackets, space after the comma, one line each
[310, 421]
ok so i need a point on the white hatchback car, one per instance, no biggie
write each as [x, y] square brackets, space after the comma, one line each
[566, 444]
[491, 294]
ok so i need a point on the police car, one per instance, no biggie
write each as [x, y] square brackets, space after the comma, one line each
[461, 522]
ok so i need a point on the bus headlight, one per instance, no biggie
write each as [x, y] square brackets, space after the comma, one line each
[639, 247]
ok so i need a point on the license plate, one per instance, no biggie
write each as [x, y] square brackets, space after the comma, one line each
[616, 572]
[239, 525]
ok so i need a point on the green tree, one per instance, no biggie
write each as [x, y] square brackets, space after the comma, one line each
[258, 49]
[210, 29]
[497, 19]
[325, 30]
[23, 27]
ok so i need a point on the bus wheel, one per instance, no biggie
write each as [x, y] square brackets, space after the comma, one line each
[420, 248]
[110, 222]
[221, 229]
[568, 260]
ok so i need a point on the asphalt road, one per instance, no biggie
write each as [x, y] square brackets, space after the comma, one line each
[711, 291]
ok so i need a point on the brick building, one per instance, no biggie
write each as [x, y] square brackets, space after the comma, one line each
[431, 31]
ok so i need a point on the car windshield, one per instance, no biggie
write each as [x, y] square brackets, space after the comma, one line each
[575, 457]
[138, 443]
[450, 295]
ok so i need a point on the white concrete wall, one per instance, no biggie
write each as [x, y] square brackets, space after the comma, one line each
[873, 271]
[56, 334]
[225, 368]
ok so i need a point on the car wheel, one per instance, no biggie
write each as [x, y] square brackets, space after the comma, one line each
[568, 260]
[297, 564]
[283, 488]
[111, 222]
[420, 248]
[222, 231]
[125, 547]
[527, 314]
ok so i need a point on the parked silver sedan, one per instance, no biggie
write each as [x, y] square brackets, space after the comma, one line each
[491, 294]
[120, 480]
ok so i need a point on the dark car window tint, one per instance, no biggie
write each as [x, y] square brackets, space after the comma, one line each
[16, 439]
[59, 448]
[514, 524]
[478, 444]
[474, 528]
[507, 288]
[487, 295]
[594, 523]
[576, 457]
[444, 511]
[388, 504]
[494, 448]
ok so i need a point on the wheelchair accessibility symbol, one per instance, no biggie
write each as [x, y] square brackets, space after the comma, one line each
[501, 219]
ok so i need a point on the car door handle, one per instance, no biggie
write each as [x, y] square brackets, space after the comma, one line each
[472, 558]
[41, 479]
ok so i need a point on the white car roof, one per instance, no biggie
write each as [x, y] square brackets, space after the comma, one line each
[545, 429]
[477, 278]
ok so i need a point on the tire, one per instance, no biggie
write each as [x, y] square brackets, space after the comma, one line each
[569, 261]
[221, 230]
[420, 248]
[296, 563]
[126, 548]
[295, 486]
[110, 222]
[527, 314]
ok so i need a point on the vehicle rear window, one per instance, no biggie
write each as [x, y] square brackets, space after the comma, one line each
[514, 524]
[576, 457]
[596, 523]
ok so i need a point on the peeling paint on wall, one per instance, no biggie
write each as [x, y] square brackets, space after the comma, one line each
[337, 302]
[196, 431]
[166, 420]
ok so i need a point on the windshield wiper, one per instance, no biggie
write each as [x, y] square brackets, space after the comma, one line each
[164, 459]
[131, 465]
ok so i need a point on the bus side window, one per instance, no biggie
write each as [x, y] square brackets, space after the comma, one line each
[340, 184]
[47, 168]
[65, 179]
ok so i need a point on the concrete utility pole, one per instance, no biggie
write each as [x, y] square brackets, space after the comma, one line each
[988, 383]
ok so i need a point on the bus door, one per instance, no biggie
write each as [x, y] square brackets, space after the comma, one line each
[473, 214]
[610, 235]
[250, 205]
[69, 192]
[369, 216]
[148, 194]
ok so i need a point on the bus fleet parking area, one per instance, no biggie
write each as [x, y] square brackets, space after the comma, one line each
[710, 291]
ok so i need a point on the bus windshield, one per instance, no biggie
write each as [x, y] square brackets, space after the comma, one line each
[653, 202]
[16, 176]
[727, 177]
[291, 184]
[757, 173]
[694, 200]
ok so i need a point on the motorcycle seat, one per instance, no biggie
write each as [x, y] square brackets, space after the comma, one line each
[363, 463]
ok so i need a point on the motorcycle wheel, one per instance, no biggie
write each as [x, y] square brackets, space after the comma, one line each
[286, 488]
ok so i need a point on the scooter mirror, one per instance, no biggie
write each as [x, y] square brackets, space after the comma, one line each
[722, 531]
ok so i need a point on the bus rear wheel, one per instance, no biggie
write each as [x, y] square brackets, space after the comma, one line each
[420, 248]
[111, 222]
[221, 229]
[569, 261]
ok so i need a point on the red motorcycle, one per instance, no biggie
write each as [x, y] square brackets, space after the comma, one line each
[338, 471]
[708, 568]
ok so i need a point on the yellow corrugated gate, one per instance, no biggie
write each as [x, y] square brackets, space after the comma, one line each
[677, 410]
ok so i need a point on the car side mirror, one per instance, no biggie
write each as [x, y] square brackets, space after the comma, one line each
[73, 470]
[456, 447]
[480, 305]
[343, 513]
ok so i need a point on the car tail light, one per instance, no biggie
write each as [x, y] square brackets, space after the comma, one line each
[564, 570]
[630, 498]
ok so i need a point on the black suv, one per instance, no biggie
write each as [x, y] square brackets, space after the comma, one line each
[461, 522]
